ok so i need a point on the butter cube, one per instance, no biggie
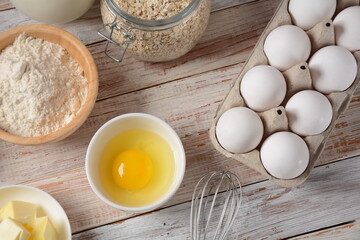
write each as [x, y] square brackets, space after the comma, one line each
[43, 229]
[22, 212]
[11, 230]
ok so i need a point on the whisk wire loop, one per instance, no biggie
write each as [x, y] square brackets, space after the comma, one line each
[212, 206]
[214, 190]
[236, 198]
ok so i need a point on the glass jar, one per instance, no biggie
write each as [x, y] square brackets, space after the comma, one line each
[153, 40]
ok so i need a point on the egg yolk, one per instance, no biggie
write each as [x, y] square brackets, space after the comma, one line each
[132, 169]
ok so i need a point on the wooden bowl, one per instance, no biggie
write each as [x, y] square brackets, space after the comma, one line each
[81, 54]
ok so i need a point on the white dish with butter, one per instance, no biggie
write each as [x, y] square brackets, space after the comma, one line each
[48, 204]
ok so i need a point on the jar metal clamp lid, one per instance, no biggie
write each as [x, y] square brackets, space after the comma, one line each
[127, 35]
[137, 23]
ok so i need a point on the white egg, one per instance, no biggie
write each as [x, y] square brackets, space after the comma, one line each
[347, 28]
[263, 87]
[239, 130]
[309, 113]
[287, 46]
[333, 69]
[307, 13]
[284, 155]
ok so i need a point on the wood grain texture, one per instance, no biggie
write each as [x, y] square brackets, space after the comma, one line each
[216, 4]
[228, 40]
[349, 231]
[185, 93]
[5, 5]
[59, 167]
[231, 35]
[267, 211]
[85, 27]
[25, 163]
[225, 42]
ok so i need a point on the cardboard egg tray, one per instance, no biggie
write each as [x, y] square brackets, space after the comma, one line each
[298, 78]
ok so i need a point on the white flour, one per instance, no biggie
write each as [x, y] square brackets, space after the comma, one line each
[42, 87]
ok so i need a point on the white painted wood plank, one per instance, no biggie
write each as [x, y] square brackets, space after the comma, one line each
[216, 4]
[86, 26]
[59, 168]
[345, 232]
[50, 166]
[70, 152]
[228, 40]
[5, 5]
[199, 97]
[330, 196]
[230, 37]
[36, 165]
[20, 164]
[192, 121]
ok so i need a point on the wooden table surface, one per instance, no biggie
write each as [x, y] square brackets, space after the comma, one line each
[186, 93]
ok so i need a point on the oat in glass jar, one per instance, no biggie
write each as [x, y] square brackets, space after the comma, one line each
[153, 30]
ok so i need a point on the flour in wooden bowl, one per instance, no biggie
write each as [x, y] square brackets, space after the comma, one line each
[42, 88]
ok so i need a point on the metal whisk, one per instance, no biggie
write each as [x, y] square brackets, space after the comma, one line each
[213, 212]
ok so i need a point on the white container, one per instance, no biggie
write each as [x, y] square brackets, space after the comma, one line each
[45, 201]
[53, 11]
[118, 125]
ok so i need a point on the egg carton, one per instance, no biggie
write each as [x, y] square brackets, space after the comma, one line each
[298, 78]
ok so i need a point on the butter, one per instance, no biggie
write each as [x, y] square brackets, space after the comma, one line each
[11, 230]
[21, 223]
[43, 229]
[22, 212]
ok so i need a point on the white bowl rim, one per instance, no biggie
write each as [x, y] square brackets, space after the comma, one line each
[163, 199]
[61, 209]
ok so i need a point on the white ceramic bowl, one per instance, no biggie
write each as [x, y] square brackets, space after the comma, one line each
[120, 124]
[53, 11]
[48, 204]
